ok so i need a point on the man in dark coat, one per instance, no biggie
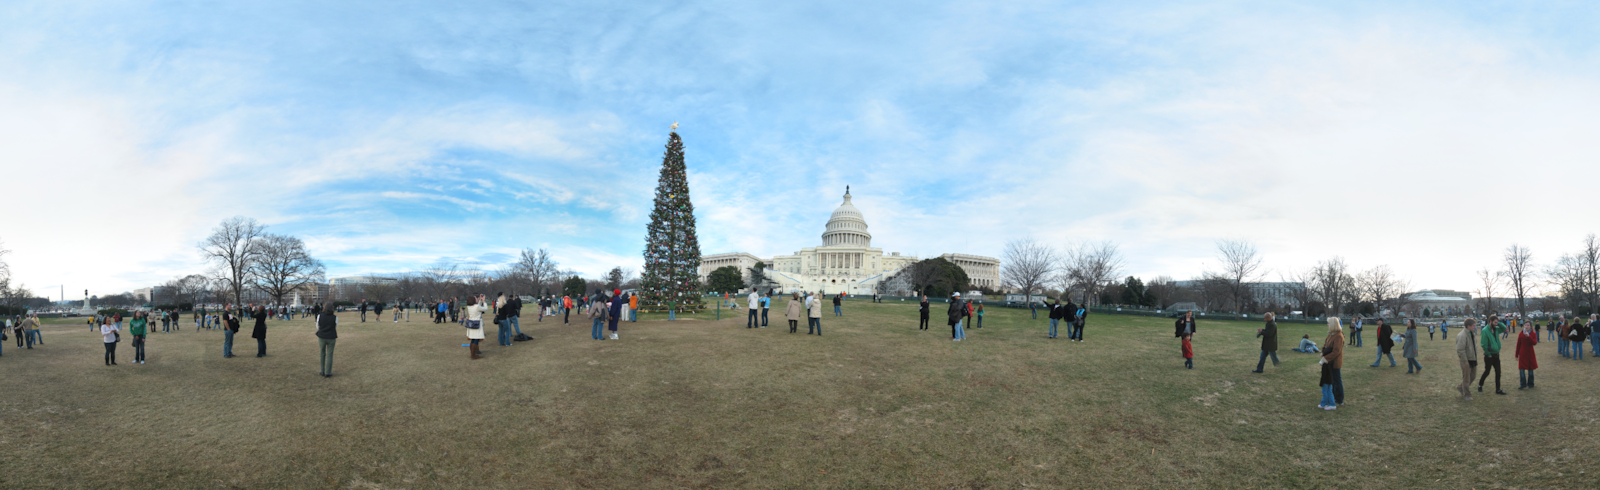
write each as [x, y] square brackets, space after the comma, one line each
[922, 310]
[1269, 343]
[956, 313]
[260, 332]
[1055, 317]
[617, 302]
[363, 311]
[1385, 342]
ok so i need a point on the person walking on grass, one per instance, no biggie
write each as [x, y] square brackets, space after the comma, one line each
[109, 333]
[1269, 343]
[260, 331]
[30, 327]
[137, 328]
[472, 318]
[814, 314]
[1332, 361]
[1467, 354]
[922, 313]
[1385, 343]
[597, 316]
[1409, 351]
[327, 334]
[753, 318]
[1184, 329]
[957, 312]
[1490, 341]
[363, 310]
[1527, 362]
[793, 311]
[838, 299]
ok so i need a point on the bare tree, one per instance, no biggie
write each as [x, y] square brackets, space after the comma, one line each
[1588, 272]
[1240, 266]
[1091, 267]
[1028, 265]
[1491, 281]
[538, 267]
[283, 265]
[439, 279]
[233, 248]
[1382, 286]
[193, 288]
[630, 278]
[922, 274]
[1333, 284]
[1520, 275]
[1299, 284]
[1163, 289]
[5, 269]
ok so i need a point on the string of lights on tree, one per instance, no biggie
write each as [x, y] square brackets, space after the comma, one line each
[672, 250]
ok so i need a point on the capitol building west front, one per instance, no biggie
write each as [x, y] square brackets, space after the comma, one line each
[846, 262]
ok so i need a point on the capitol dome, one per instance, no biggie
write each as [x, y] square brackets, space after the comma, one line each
[846, 226]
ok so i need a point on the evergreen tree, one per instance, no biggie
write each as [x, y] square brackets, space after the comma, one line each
[672, 251]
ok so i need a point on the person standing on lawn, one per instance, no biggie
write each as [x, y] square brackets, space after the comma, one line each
[753, 318]
[956, 313]
[1332, 361]
[597, 316]
[1410, 349]
[617, 304]
[1080, 317]
[327, 333]
[1577, 334]
[793, 310]
[814, 314]
[1055, 317]
[979, 314]
[838, 299]
[472, 318]
[228, 330]
[501, 329]
[363, 310]
[766, 303]
[1467, 354]
[1526, 360]
[260, 331]
[1184, 329]
[137, 329]
[566, 309]
[1490, 341]
[922, 311]
[108, 333]
[1385, 343]
[1269, 343]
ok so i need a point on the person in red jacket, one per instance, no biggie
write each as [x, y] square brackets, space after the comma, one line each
[1526, 362]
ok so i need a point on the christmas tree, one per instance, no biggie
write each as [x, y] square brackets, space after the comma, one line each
[672, 252]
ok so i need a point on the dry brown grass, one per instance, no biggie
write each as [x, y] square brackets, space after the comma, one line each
[708, 404]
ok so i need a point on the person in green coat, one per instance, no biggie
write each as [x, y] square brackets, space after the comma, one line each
[1269, 343]
[137, 328]
[1490, 341]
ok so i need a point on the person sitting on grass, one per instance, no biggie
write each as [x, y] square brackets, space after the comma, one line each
[1306, 345]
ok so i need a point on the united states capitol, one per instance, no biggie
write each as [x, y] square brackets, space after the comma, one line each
[846, 262]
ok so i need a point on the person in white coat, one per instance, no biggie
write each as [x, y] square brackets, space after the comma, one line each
[108, 331]
[473, 316]
[754, 302]
[814, 312]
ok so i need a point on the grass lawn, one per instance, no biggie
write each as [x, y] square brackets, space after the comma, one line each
[697, 403]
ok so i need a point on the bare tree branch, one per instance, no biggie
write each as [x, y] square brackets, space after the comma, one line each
[233, 249]
[1028, 265]
[1520, 275]
[283, 265]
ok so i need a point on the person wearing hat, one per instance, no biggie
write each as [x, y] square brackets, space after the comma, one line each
[956, 313]
[617, 304]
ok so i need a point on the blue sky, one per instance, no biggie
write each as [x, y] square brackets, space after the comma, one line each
[392, 135]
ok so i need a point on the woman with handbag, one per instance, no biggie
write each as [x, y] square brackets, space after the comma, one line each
[108, 332]
[472, 315]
